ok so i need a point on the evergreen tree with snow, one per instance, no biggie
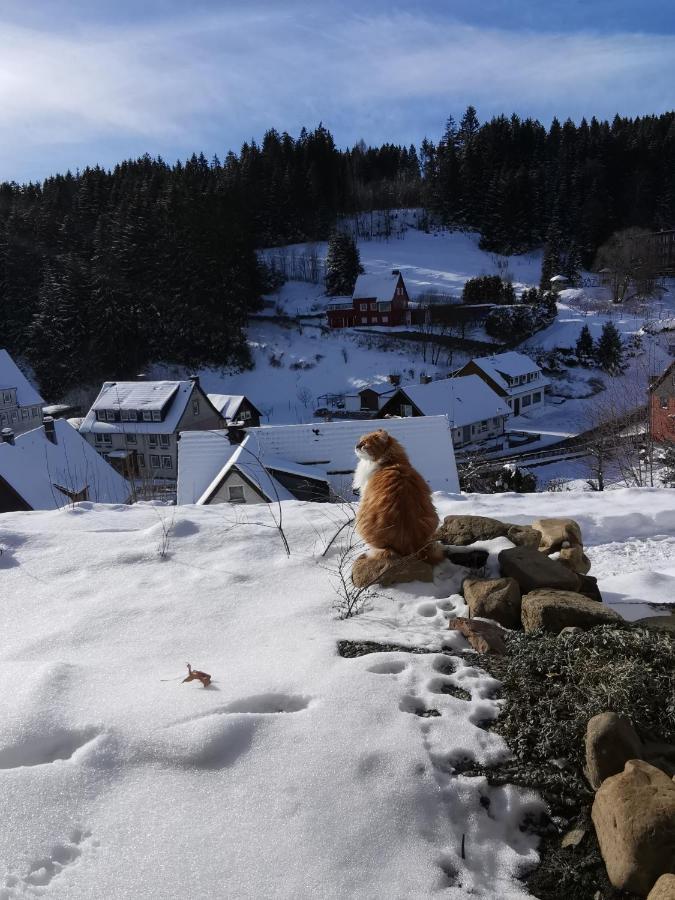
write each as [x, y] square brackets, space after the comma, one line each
[585, 347]
[609, 350]
[343, 264]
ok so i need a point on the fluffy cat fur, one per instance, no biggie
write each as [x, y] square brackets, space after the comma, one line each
[396, 516]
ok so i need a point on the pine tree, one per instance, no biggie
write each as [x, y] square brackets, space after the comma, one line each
[585, 347]
[609, 350]
[343, 264]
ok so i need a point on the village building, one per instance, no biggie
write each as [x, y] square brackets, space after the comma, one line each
[236, 409]
[53, 466]
[662, 406]
[512, 375]
[135, 424]
[377, 300]
[303, 462]
[20, 404]
[474, 411]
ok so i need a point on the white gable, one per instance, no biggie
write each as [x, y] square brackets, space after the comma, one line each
[381, 287]
[464, 400]
[11, 376]
[34, 466]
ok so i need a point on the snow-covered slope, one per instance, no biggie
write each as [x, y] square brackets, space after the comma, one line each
[298, 773]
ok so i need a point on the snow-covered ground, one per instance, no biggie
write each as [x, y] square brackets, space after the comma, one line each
[298, 773]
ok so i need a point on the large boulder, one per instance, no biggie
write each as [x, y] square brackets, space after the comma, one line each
[484, 637]
[462, 530]
[634, 817]
[524, 536]
[554, 610]
[497, 599]
[367, 571]
[557, 533]
[533, 570]
[664, 889]
[610, 742]
[588, 586]
[575, 559]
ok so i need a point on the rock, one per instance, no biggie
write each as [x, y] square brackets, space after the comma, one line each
[575, 559]
[469, 557]
[556, 533]
[664, 889]
[533, 570]
[524, 536]
[660, 623]
[554, 610]
[484, 637]
[497, 599]
[634, 817]
[462, 530]
[368, 570]
[588, 586]
[570, 631]
[610, 742]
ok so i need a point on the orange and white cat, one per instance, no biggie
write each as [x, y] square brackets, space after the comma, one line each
[396, 515]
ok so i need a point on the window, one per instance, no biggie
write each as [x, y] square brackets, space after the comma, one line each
[164, 440]
[536, 397]
[527, 400]
[167, 462]
[131, 439]
[236, 493]
[147, 415]
[110, 415]
[154, 461]
[195, 407]
[156, 415]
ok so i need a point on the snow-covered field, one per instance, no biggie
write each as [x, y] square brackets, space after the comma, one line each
[298, 773]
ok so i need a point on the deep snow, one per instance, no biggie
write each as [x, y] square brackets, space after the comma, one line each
[299, 773]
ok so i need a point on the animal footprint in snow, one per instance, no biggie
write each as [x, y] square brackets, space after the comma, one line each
[44, 870]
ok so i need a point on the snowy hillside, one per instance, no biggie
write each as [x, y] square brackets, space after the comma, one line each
[296, 362]
[298, 773]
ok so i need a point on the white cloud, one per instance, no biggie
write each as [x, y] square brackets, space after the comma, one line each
[227, 77]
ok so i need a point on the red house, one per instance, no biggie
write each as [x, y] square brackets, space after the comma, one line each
[662, 405]
[377, 300]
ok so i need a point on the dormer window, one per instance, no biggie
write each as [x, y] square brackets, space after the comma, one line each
[156, 415]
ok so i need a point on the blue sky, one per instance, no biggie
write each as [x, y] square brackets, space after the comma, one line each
[87, 82]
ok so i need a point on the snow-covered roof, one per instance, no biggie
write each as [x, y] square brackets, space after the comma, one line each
[33, 466]
[381, 287]
[246, 458]
[319, 451]
[142, 396]
[464, 400]
[11, 376]
[227, 404]
[510, 363]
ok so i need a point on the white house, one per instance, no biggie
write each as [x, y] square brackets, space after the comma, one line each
[311, 462]
[135, 424]
[512, 375]
[20, 404]
[474, 411]
[53, 466]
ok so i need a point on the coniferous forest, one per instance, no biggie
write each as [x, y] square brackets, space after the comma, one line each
[105, 271]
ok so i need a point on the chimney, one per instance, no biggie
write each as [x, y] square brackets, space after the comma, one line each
[7, 436]
[50, 430]
[195, 380]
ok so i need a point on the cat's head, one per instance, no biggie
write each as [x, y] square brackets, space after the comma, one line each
[374, 446]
